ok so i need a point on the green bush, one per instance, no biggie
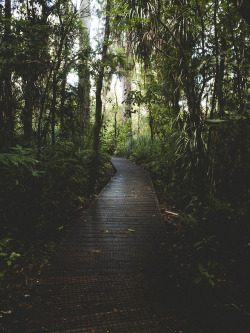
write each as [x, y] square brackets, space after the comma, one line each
[38, 196]
[18, 188]
[141, 149]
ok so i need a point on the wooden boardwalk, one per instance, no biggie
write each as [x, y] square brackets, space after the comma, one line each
[108, 275]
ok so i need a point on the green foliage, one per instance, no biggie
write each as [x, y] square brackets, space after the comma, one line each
[229, 222]
[65, 185]
[141, 150]
[19, 158]
[20, 173]
[7, 257]
[205, 273]
[123, 140]
[204, 243]
[38, 196]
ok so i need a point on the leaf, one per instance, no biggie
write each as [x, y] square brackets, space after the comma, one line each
[215, 121]
[131, 230]
[197, 280]
[95, 251]
[14, 255]
[2, 273]
[211, 282]
[6, 312]
[36, 173]
[198, 243]
[5, 241]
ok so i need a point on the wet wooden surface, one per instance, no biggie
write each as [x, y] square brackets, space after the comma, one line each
[109, 273]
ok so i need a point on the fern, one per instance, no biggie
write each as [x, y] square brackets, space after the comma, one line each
[21, 157]
[17, 160]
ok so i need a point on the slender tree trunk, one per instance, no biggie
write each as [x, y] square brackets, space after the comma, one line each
[83, 72]
[107, 96]
[201, 13]
[2, 120]
[55, 83]
[216, 79]
[53, 108]
[99, 83]
[216, 76]
[139, 125]
[39, 127]
[239, 80]
[98, 110]
[7, 114]
[115, 126]
[63, 100]
[117, 107]
[28, 111]
[151, 124]
[127, 88]
[221, 80]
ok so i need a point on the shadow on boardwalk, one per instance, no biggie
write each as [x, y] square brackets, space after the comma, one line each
[108, 275]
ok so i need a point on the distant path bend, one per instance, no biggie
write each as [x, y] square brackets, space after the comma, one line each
[108, 274]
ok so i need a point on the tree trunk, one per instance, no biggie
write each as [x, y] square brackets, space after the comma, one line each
[243, 7]
[221, 80]
[62, 104]
[98, 110]
[83, 72]
[55, 84]
[39, 127]
[239, 80]
[28, 111]
[7, 114]
[151, 125]
[126, 90]
[53, 108]
[115, 125]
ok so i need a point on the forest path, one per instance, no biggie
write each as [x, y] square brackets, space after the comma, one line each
[109, 273]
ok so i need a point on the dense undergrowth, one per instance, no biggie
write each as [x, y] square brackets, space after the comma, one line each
[39, 199]
[208, 233]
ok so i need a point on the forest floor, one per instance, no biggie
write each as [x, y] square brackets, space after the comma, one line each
[22, 276]
[223, 307]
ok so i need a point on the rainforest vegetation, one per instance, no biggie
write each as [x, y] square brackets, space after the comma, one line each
[162, 83]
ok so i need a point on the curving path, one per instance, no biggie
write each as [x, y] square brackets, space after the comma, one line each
[108, 275]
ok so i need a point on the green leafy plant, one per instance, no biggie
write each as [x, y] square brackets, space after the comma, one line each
[20, 157]
[7, 257]
[205, 273]
[207, 242]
